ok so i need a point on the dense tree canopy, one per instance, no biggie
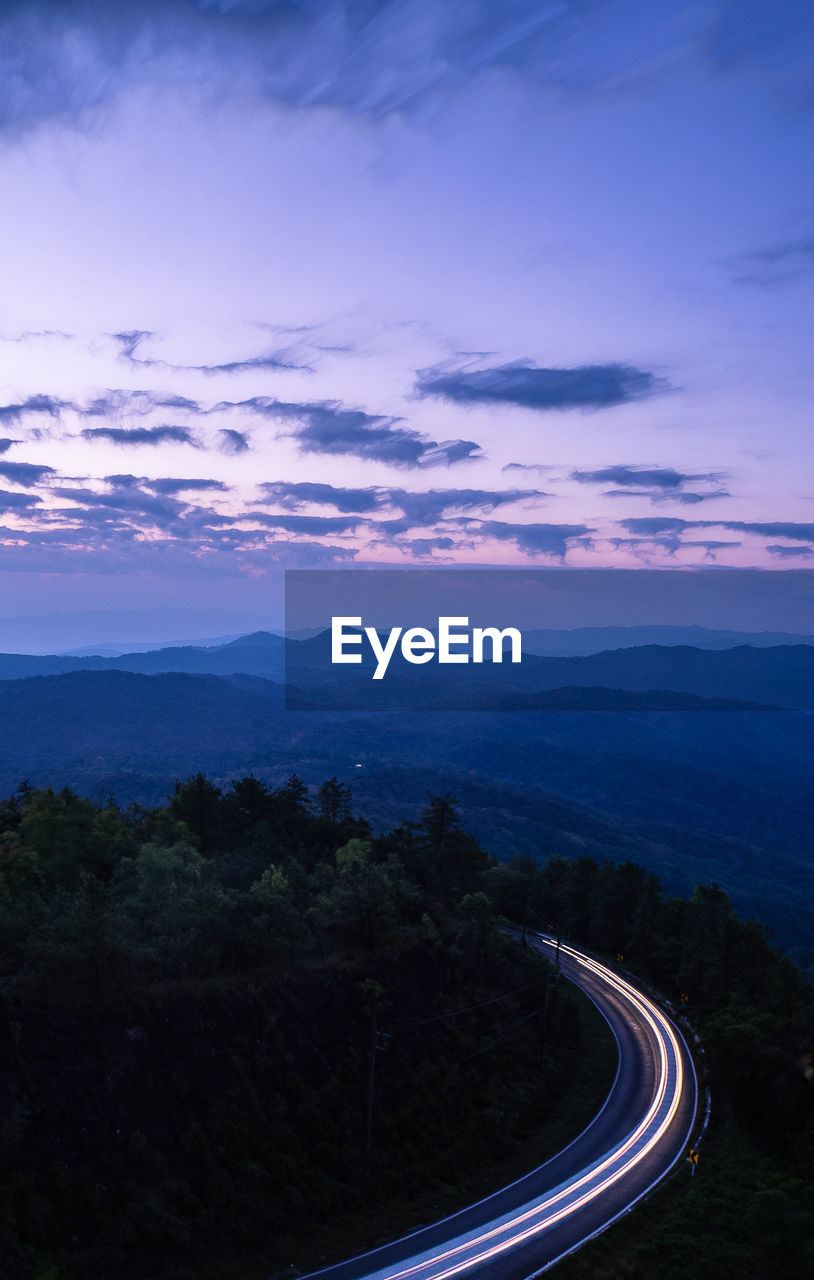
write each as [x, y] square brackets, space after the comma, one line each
[189, 994]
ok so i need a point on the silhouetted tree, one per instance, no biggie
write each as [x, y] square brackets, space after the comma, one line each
[197, 802]
[439, 817]
[333, 800]
[293, 797]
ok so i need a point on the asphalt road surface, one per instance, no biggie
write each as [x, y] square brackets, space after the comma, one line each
[630, 1145]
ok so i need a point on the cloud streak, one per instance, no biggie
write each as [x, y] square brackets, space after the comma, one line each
[314, 526]
[776, 265]
[130, 340]
[522, 384]
[536, 539]
[788, 553]
[329, 428]
[642, 477]
[12, 413]
[169, 485]
[231, 442]
[26, 474]
[658, 484]
[114, 401]
[654, 525]
[420, 507]
[293, 495]
[142, 435]
[17, 501]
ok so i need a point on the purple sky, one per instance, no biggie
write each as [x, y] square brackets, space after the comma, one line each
[412, 282]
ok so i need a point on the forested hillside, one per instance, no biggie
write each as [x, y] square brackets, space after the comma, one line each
[192, 995]
[692, 796]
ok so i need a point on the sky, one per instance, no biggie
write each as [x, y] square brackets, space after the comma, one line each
[326, 283]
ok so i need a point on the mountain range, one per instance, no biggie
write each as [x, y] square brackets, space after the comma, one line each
[695, 796]
[780, 676]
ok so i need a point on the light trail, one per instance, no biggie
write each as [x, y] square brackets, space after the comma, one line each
[478, 1247]
[577, 1207]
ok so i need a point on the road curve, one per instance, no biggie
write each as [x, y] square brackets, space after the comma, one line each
[630, 1145]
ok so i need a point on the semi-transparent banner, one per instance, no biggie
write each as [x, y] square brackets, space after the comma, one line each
[549, 640]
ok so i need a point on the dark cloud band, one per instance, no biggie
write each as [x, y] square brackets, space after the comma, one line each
[597, 386]
[329, 428]
[142, 435]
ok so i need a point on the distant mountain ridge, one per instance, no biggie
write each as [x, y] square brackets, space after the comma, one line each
[782, 676]
[777, 676]
[115, 650]
[259, 653]
[19, 637]
[586, 640]
[128, 630]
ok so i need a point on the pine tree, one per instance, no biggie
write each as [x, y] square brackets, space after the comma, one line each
[333, 800]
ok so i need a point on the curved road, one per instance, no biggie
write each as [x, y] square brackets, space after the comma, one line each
[630, 1145]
